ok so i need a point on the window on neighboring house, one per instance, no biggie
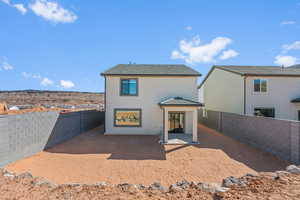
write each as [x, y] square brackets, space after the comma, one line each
[264, 112]
[260, 85]
[129, 87]
[127, 117]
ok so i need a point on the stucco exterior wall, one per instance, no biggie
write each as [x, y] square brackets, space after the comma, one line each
[280, 91]
[223, 91]
[151, 91]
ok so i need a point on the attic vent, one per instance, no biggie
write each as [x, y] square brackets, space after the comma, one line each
[178, 98]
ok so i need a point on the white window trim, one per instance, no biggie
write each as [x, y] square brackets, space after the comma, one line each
[260, 92]
[265, 107]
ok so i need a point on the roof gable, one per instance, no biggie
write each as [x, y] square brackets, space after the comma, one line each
[179, 101]
[260, 70]
[150, 70]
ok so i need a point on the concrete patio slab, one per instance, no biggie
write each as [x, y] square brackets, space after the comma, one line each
[179, 139]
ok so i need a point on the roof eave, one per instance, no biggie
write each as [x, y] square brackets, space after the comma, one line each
[104, 74]
[295, 100]
[182, 105]
[288, 75]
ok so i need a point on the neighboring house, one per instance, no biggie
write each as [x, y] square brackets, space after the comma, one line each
[151, 100]
[269, 91]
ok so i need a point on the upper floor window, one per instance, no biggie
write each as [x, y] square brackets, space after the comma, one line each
[129, 87]
[260, 85]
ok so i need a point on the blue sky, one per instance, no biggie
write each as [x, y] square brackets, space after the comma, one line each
[66, 44]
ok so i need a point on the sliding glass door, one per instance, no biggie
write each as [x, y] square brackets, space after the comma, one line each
[176, 122]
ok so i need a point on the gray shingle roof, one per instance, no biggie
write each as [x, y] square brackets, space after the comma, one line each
[179, 101]
[296, 100]
[261, 70]
[246, 70]
[151, 69]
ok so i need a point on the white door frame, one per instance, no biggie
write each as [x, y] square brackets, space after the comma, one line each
[167, 109]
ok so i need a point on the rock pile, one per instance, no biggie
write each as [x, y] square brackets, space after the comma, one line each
[156, 186]
[230, 187]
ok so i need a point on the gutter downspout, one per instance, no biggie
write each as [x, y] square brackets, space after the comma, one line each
[245, 95]
[163, 131]
[104, 103]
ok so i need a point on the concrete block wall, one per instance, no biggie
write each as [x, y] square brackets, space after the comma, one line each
[72, 124]
[279, 137]
[24, 135]
[27, 134]
[91, 119]
[66, 127]
[209, 118]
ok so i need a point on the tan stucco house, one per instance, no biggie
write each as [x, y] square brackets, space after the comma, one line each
[270, 91]
[151, 100]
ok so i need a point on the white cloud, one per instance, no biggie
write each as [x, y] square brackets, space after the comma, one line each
[29, 75]
[67, 84]
[228, 54]
[20, 7]
[52, 11]
[46, 82]
[193, 52]
[6, 1]
[188, 28]
[285, 60]
[6, 66]
[36, 76]
[177, 55]
[294, 46]
[25, 75]
[288, 23]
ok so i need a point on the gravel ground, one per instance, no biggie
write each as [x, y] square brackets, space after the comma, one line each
[269, 186]
[34, 188]
[286, 186]
[93, 157]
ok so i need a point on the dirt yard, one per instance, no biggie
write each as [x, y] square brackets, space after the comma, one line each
[93, 157]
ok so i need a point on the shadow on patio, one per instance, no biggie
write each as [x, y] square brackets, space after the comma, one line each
[148, 148]
[252, 157]
[92, 157]
[120, 147]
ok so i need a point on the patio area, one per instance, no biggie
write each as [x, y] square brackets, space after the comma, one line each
[93, 157]
[179, 139]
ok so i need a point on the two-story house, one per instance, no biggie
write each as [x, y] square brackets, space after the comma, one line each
[269, 91]
[151, 100]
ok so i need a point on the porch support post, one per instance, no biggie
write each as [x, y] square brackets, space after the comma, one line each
[166, 125]
[195, 125]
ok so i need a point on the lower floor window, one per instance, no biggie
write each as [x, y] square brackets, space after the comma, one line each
[264, 112]
[127, 117]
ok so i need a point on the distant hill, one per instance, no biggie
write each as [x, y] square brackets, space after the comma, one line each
[295, 66]
[35, 97]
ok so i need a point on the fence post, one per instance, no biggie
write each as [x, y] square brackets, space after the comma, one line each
[80, 120]
[294, 142]
[220, 122]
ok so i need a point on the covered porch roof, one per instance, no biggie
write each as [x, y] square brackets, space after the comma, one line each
[179, 101]
[180, 104]
[296, 100]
